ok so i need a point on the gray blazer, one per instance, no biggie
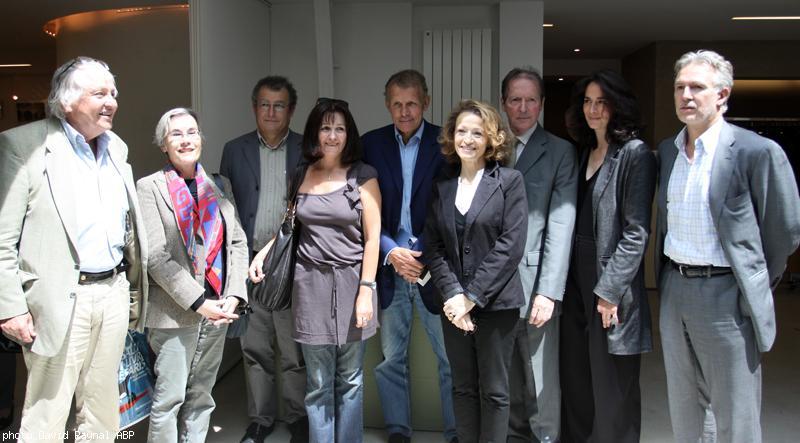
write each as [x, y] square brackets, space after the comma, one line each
[756, 211]
[173, 286]
[549, 167]
[622, 202]
[39, 263]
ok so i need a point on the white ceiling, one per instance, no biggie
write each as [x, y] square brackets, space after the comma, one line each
[601, 28]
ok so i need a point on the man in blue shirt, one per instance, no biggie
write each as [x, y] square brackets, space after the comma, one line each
[407, 157]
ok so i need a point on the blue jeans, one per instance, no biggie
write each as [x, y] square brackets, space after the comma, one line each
[335, 392]
[392, 373]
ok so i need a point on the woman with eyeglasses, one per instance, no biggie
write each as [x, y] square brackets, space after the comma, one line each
[333, 295]
[197, 268]
[474, 240]
[605, 324]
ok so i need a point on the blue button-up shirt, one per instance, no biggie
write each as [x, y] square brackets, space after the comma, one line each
[101, 203]
[408, 159]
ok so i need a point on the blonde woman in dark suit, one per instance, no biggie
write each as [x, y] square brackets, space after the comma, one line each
[475, 234]
[197, 269]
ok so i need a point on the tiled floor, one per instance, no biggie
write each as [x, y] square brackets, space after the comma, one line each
[780, 411]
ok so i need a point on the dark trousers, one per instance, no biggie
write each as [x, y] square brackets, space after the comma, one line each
[269, 334]
[8, 371]
[479, 365]
[600, 396]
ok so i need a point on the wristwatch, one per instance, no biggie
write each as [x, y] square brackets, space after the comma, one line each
[370, 284]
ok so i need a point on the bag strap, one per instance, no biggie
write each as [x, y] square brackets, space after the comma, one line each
[294, 186]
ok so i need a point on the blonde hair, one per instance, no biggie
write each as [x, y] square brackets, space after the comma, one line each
[498, 147]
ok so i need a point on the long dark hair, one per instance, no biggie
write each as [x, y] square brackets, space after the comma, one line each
[625, 121]
[324, 110]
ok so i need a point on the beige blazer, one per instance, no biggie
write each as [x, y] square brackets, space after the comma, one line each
[39, 264]
[173, 284]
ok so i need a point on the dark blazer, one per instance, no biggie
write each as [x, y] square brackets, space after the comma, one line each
[241, 164]
[486, 267]
[622, 202]
[756, 211]
[382, 152]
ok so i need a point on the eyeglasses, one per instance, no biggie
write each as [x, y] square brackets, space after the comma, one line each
[191, 133]
[276, 107]
[332, 101]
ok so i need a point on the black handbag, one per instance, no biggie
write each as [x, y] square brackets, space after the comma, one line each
[274, 292]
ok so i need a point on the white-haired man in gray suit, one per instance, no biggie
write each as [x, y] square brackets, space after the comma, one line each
[728, 218]
[72, 254]
[549, 167]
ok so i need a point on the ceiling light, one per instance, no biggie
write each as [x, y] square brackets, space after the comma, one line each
[768, 17]
[547, 25]
[576, 50]
[14, 97]
[561, 79]
[16, 65]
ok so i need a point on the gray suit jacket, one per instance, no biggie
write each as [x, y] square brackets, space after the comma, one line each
[173, 285]
[241, 164]
[756, 211]
[39, 264]
[622, 202]
[549, 167]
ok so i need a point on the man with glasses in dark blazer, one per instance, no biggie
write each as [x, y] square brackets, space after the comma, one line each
[259, 164]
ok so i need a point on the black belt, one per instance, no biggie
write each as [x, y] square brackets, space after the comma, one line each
[694, 271]
[92, 277]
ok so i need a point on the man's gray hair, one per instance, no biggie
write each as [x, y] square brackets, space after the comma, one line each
[64, 90]
[723, 69]
[162, 127]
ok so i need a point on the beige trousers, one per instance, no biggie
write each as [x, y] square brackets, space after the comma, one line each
[86, 367]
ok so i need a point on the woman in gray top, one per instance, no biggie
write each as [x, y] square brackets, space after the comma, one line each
[333, 294]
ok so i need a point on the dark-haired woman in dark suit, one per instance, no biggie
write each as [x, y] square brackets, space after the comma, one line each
[474, 241]
[605, 324]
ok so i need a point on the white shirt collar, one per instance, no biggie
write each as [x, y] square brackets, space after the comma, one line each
[708, 139]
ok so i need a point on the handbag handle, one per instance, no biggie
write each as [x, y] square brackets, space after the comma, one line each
[294, 185]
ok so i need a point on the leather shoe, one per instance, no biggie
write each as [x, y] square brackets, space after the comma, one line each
[256, 433]
[399, 438]
[299, 430]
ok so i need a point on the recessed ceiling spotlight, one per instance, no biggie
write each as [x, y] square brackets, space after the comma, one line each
[768, 17]
[576, 50]
[14, 97]
[547, 25]
[561, 79]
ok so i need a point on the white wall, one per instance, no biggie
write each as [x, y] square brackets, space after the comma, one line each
[229, 53]
[521, 36]
[293, 54]
[148, 52]
[370, 43]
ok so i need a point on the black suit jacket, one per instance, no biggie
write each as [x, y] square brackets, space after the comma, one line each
[241, 164]
[485, 266]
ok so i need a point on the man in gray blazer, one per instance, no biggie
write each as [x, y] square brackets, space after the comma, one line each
[549, 167]
[259, 164]
[728, 218]
[72, 254]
